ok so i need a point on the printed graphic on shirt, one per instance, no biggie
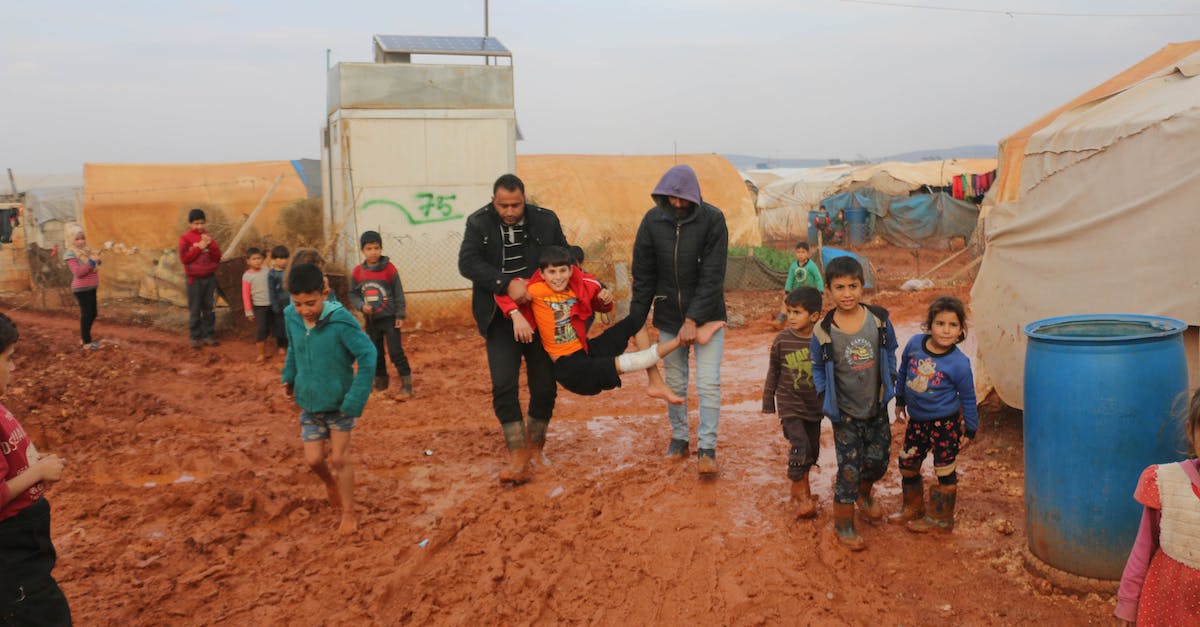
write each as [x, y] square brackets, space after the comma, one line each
[563, 331]
[799, 365]
[374, 293]
[923, 373]
[860, 354]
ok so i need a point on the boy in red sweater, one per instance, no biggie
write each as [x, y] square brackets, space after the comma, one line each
[28, 593]
[200, 256]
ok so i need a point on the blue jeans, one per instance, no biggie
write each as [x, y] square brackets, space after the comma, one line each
[708, 387]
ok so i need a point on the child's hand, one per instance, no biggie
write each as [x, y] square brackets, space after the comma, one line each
[522, 332]
[50, 467]
[249, 315]
[399, 323]
[368, 310]
[605, 296]
[964, 442]
[901, 413]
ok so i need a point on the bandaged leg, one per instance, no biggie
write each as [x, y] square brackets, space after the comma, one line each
[641, 360]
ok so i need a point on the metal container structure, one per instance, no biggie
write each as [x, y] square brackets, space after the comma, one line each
[410, 150]
[1102, 396]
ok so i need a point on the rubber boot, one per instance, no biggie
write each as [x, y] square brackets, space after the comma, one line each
[914, 502]
[941, 511]
[381, 382]
[406, 389]
[262, 352]
[843, 524]
[867, 504]
[517, 471]
[536, 431]
[802, 498]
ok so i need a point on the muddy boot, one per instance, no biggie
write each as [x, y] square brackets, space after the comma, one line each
[677, 449]
[914, 501]
[381, 382]
[843, 524]
[867, 504]
[941, 511]
[537, 442]
[262, 352]
[706, 462]
[406, 385]
[517, 471]
[802, 498]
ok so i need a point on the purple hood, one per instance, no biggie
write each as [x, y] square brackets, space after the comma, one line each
[680, 182]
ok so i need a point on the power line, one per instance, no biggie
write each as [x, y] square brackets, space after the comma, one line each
[1014, 13]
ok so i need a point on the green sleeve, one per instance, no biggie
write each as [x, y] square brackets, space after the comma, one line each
[791, 278]
[359, 345]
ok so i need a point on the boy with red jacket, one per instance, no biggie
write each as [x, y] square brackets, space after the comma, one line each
[376, 291]
[200, 255]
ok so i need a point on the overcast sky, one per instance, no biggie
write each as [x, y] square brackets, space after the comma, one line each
[187, 81]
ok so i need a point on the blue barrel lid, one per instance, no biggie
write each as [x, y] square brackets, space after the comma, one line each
[1104, 328]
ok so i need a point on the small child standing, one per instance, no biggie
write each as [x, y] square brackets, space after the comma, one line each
[28, 593]
[798, 402]
[256, 299]
[802, 273]
[200, 256]
[375, 290]
[854, 366]
[1161, 582]
[278, 294]
[936, 396]
[328, 370]
[84, 265]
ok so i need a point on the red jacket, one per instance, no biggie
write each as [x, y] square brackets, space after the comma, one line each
[198, 263]
[586, 288]
[14, 460]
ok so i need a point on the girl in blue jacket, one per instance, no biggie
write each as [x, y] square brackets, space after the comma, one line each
[936, 394]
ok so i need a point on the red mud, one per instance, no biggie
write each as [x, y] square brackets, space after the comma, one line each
[186, 501]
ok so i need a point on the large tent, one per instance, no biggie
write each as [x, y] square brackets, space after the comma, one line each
[1095, 213]
[144, 207]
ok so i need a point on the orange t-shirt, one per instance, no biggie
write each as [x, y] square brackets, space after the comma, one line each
[552, 317]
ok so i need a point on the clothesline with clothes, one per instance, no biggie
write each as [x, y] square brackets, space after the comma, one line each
[972, 187]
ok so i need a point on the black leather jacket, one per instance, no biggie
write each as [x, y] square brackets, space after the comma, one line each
[482, 255]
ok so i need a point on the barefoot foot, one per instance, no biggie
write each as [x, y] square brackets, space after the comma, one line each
[332, 492]
[705, 332]
[662, 392]
[349, 525]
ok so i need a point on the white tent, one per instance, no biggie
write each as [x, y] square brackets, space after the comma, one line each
[783, 203]
[1096, 213]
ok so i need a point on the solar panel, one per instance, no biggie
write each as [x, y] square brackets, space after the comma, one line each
[408, 44]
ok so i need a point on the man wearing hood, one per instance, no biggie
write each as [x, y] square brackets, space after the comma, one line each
[501, 245]
[679, 259]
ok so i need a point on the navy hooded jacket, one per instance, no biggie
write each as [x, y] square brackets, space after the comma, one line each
[679, 263]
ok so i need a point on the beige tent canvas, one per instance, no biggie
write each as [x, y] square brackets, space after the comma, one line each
[783, 205]
[898, 178]
[1096, 213]
[144, 206]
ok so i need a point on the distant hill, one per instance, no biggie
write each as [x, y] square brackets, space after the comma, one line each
[751, 162]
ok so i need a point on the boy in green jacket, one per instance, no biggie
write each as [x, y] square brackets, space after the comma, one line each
[325, 344]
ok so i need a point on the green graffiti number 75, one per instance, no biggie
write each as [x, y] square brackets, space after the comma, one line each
[431, 208]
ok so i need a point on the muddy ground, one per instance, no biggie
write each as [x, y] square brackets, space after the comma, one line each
[186, 500]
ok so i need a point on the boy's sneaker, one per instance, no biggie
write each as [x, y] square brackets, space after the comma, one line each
[196, 345]
[381, 383]
[677, 448]
[706, 462]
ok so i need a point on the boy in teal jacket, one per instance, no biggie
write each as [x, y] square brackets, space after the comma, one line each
[330, 362]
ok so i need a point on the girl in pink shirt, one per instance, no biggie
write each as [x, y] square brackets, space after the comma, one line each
[84, 264]
[1161, 583]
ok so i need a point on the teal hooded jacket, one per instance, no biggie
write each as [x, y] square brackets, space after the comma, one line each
[320, 361]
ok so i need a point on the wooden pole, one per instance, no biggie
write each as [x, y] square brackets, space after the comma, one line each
[942, 263]
[965, 269]
[262, 202]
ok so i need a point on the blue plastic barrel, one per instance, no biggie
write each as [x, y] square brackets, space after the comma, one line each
[1102, 400]
[856, 225]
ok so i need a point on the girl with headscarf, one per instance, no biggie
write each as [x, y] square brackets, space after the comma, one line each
[84, 263]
